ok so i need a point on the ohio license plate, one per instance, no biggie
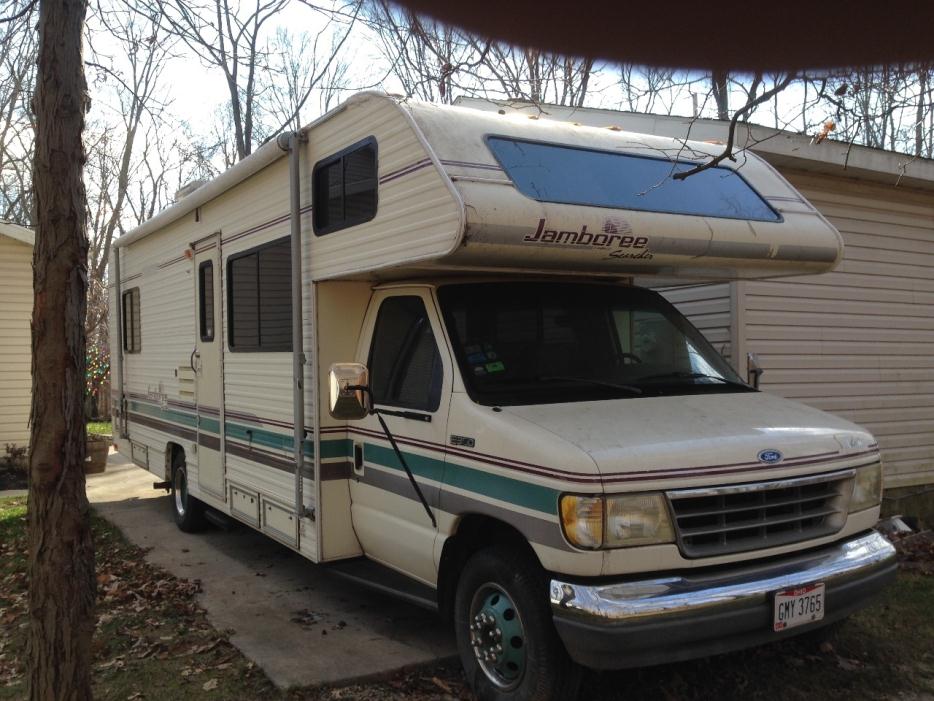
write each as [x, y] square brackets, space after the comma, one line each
[795, 607]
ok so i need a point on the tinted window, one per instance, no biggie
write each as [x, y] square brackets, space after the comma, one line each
[564, 174]
[206, 300]
[344, 188]
[404, 362]
[132, 330]
[260, 298]
[532, 343]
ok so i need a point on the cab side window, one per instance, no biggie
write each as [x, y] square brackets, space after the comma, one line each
[405, 365]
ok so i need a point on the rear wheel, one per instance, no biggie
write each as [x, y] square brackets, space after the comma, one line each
[188, 511]
[505, 636]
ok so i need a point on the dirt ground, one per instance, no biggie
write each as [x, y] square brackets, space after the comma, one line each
[154, 642]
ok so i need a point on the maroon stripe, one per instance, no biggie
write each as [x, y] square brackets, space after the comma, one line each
[609, 478]
[405, 171]
[468, 164]
[173, 261]
[163, 426]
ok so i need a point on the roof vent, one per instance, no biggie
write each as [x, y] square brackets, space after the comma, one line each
[186, 190]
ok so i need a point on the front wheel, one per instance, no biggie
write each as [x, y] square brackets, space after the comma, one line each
[505, 636]
[188, 511]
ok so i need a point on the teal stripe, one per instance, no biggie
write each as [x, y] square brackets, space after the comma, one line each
[258, 436]
[518, 492]
[166, 414]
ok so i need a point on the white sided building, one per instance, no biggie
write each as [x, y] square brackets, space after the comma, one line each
[16, 296]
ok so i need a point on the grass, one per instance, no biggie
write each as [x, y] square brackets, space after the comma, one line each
[153, 641]
[100, 427]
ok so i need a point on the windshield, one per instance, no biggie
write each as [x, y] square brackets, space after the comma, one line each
[538, 343]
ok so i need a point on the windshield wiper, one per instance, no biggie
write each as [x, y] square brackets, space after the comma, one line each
[588, 381]
[684, 375]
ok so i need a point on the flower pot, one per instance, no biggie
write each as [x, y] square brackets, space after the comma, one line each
[97, 450]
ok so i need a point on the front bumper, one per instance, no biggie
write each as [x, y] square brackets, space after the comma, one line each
[679, 617]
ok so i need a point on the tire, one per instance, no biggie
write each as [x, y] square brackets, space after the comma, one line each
[502, 595]
[188, 511]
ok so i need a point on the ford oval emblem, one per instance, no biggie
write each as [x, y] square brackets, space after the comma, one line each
[770, 457]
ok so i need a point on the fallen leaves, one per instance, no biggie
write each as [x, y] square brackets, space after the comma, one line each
[916, 552]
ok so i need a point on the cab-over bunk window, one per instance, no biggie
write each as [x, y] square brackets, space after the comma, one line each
[132, 330]
[344, 188]
[574, 175]
[259, 298]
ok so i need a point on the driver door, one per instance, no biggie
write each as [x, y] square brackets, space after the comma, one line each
[410, 379]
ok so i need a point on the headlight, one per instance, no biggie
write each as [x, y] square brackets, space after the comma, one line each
[867, 488]
[616, 521]
[637, 519]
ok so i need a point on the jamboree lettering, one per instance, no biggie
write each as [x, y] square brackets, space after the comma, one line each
[624, 245]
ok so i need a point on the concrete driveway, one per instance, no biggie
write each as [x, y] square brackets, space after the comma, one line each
[254, 588]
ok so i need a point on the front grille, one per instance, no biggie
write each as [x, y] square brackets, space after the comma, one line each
[738, 518]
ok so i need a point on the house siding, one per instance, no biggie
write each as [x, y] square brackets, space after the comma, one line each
[708, 306]
[859, 341]
[15, 341]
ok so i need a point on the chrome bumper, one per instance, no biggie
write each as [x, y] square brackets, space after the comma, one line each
[723, 589]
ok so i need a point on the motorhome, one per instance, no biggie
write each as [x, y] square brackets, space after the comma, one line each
[406, 342]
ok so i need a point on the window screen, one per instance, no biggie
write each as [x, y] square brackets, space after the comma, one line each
[260, 298]
[132, 331]
[206, 300]
[405, 365]
[344, 188]
[569, 175]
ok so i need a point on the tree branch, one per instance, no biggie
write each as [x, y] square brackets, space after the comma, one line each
[750, 105]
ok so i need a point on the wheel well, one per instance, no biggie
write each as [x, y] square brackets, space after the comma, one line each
[174, 456]
[474, 532]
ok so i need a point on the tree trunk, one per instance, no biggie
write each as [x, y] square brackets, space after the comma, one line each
[719, 83]
[62, 586]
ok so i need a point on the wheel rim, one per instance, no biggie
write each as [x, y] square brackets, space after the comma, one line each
[497, 636]
[181, 492]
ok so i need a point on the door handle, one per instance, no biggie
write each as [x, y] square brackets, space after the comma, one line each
[191, 360]
[358, 459]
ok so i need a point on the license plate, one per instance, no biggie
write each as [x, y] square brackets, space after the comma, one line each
[795, 607]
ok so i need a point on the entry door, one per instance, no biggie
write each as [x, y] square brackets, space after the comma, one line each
[410, 377]
[207, 365]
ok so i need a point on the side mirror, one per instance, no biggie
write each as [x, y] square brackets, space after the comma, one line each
[349, 391]
[755, 370]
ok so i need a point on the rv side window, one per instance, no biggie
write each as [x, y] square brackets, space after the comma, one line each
[259, 284]
[344, 188]
[206, 300]
[404, 361]
[132, 332]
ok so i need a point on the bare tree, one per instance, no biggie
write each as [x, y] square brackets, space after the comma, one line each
[301, 64]
[18, 46]
[232, 37]
[62, 586]
[135, 76]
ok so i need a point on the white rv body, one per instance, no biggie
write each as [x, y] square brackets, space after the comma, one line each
[448, 211]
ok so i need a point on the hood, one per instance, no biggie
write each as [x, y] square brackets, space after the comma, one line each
[732, 436]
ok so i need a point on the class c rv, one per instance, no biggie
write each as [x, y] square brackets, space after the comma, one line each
[406, 343]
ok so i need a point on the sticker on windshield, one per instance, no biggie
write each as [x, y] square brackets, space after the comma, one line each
[476, 358]
[495, 367]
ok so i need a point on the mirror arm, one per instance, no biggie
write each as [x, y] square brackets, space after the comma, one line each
[392, 441]
[418, 491]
